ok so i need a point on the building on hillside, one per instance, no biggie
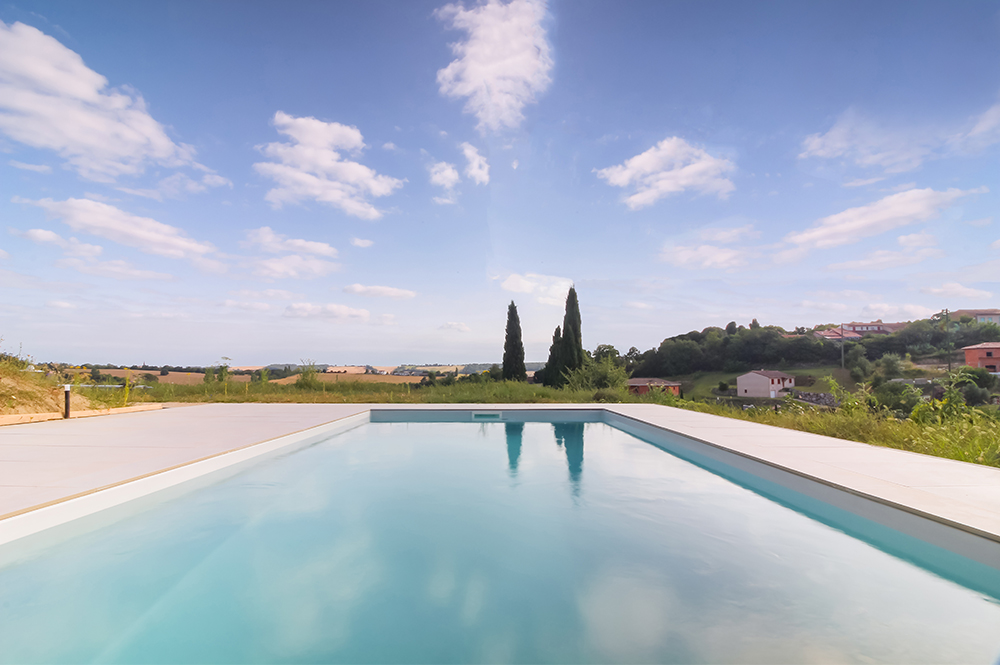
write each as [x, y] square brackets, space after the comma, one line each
[977, 315]
[643, 386]
[764, 383]
[834, 335]
[983, 355]
[874, 327]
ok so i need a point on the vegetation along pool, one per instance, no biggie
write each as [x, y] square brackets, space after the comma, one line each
[484, 541]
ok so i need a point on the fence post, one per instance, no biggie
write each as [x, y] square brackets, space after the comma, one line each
[66, 407]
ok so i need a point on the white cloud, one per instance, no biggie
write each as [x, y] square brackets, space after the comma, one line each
[893, 211]
[455, 325]
[888, 312]
[107, 221]
[703, 256]
[268, 294]
[4, 255]
[671, 166]
[60, 304]
[726, 236]
[983, 221]
[247, 305]
[514, 164]
[389, 145]
[50, 99]
[361, 242]
[824, 305]
[638, 305]
[884, 259]
[330, 311]
[311, 168]
[269, 241]
[37, 168]
[956, 290]
[985, 131]
[177, 185]
[72, 247]
[446, 176]
[379, 291]
[503, 63]
[913, 240]
[867, 144]
[547, 289]
[121, 270]
[478, 169]
[294, 266]
[861, 182]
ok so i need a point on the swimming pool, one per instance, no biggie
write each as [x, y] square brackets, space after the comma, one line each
[486, 541]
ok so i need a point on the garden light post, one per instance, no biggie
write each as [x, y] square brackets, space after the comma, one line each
[66, 388]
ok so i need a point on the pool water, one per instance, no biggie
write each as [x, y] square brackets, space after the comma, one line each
[491, 542]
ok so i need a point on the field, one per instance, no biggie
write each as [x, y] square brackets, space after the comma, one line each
[328, 377]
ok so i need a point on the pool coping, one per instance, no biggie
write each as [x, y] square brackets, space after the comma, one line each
[923, 496]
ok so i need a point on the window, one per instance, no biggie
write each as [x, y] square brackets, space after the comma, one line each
[989, 354]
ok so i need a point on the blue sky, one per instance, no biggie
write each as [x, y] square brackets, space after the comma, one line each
[374, 182]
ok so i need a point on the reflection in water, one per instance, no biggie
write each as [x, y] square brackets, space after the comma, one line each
[515, 434]
[570, 435]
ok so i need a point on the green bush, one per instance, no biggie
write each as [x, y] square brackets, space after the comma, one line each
[595, 375]
[608, 395]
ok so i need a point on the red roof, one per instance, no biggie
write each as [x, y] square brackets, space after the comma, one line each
[772, 374]
[651, 382]
[984, 345]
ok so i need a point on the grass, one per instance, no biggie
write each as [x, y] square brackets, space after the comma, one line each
[698, 386]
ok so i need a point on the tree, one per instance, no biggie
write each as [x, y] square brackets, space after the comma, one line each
[572, 340]
[551, 374]
[731, 328]
[608, 351]
[513, 348]
[754, 325]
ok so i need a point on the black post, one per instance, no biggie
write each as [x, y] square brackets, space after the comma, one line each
[66, 408]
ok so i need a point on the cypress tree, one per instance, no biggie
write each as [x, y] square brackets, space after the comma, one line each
[552, 372]
[513, 348]
[572, 341]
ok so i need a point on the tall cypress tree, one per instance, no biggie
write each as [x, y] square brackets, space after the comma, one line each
[513, 348]
[572, 340]
[552, 372]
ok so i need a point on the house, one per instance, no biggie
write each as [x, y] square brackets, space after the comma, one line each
[643, 386]
[983, 355]
[874, 327]
[834, 335]
[977, 315]
[764, 383]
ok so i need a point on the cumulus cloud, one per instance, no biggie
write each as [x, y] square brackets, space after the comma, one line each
[893, 211]
[444, 175]
[956, 290]
[361, 242]
[50, 99]
[502, 64]
[121, 270]
[703, 256]
[671, 166]
[477, 169]
[455, 325]
[37, 168]
[294, 266]
[725, 236]
[547, 289]
[269, 241]
[888, 312]
[310, 167]
[379, 291]
[107, 221]
[329, 311]
[389, 145]
[71, 247]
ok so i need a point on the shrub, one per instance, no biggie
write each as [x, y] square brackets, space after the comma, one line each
[608, 395]
[595, 375]
[723, 386]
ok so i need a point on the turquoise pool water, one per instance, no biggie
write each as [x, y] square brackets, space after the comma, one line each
[491, 542]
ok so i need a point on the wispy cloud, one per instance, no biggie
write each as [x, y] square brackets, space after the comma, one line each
[444, 175]
[379, 291]
[869, 144]
[888, 312]
[956, 290]
[179, 184]
[310, 167]
[329, 311]
[37, 168]
[121, 270]
[703, 256]
[50, 99]
[294, 266]
[250, 305]
[725, 236]
[547, 289]
[71, 247]
[267, 294]
[361, 242]
[883, 259]
[670, 167]
[503, 63]
[893, 211]
[267, 240]
[457, 326]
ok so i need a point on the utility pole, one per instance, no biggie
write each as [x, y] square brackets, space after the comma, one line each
[841, 345]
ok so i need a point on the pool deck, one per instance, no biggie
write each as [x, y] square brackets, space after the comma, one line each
[47, 463]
